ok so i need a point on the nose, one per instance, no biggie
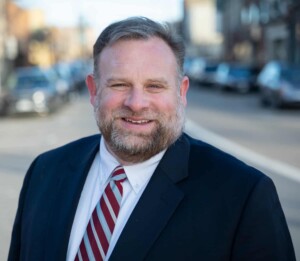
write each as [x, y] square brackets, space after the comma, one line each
[136, 99]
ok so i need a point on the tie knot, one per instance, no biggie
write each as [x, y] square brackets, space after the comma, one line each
[118, 174]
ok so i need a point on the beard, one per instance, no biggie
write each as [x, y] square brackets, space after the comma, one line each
[133, 147]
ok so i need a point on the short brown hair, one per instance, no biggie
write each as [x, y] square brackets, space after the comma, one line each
[139, 28]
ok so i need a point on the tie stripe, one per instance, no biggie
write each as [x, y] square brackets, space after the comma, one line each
[95, 242]
[108, 214]
[113, 201]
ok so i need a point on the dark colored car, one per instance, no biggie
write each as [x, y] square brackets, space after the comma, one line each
[192, 67]
[279, 84]
[207, 73]
[79, 70]
[200, 70]
[237, 77]
[64, 79]
[4, 102]
[33, 89]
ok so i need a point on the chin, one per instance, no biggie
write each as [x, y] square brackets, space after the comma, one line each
[134, 141]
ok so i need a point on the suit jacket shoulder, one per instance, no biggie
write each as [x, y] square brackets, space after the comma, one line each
[71, 149]
[204, 204]
[219, 168]
[49, 199]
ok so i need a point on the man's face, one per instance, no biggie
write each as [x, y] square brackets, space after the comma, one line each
[138, 104]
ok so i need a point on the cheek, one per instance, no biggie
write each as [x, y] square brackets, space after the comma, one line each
[108, 102]
[166, 104]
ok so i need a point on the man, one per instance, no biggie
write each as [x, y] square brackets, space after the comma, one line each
[178, 198]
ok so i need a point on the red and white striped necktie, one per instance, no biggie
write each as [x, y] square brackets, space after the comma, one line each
[95, 242]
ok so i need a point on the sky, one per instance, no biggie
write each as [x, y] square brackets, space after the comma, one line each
[100, 13]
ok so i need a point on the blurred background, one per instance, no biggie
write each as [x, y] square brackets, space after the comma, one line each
[243, 61]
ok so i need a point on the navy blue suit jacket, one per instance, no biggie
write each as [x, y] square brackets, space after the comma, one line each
[200, 204]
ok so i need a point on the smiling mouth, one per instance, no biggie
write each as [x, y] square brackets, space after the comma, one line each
[138, 122]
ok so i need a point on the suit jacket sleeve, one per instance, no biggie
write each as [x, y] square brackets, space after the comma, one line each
[263, 233]
[15, 245]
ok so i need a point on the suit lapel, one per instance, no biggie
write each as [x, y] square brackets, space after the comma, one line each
[72, 178]
[156, 206]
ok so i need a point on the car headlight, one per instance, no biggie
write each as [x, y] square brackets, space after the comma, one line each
[38, 97]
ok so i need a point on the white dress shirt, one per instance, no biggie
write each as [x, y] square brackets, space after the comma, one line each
[138, 176]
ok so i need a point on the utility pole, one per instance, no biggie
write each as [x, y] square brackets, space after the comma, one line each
[2, 40]
[6, 44]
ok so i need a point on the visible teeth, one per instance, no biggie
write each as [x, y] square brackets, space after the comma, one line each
[137, 122]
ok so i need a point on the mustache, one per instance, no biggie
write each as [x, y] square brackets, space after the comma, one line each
[144, 113]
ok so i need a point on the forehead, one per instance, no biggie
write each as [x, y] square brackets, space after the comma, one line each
[153, 51]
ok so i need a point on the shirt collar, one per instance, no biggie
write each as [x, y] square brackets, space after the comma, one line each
[138, 174]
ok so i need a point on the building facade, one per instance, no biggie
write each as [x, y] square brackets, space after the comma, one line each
[257, 31]
[200, 28]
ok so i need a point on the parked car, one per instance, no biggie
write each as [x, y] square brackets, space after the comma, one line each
[279, 84]
[4, 101]
[192, 67]
[33, 89]
[201, 70]
[65, 81]
[237, 77]
[207, 73]
[79, 70]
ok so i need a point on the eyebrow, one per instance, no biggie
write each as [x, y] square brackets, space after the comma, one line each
[154, 80]
[111, 80]
[158, 80]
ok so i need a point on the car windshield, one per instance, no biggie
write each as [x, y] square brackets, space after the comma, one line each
[31, 81]
[240, 72]
[211, 68]
[292, 75]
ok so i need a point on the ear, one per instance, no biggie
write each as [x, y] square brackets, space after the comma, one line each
[184, 86]
[90, 82]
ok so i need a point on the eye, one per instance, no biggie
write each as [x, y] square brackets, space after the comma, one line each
[119, 86]
[155, 87]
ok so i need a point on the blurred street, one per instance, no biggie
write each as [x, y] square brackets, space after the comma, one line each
[265, 138]
[238, 118]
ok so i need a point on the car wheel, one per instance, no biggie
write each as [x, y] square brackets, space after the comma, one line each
[264, 101]
[220, 87]
[277, 103]
[243, 89]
